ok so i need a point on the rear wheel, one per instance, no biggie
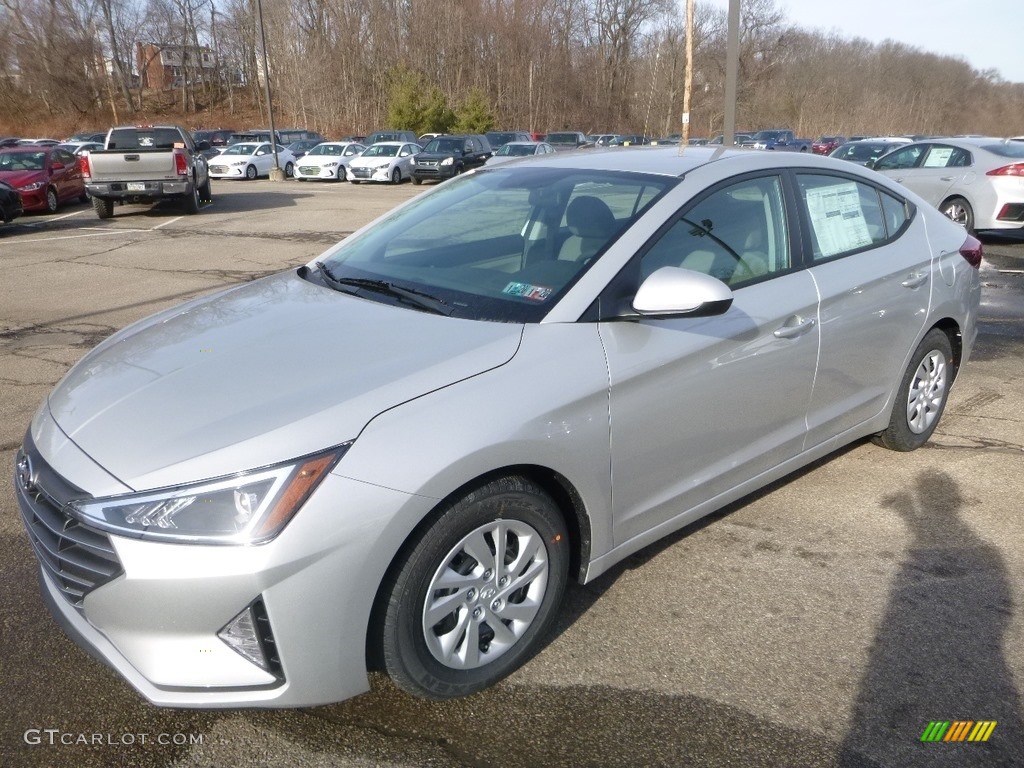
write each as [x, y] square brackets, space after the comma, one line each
[922, 395]
[959, 211]
[475, 594]
[104, 208]
[190, 204]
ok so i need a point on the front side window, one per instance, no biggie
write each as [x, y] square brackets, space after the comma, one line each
[500, 245]
[737, 234]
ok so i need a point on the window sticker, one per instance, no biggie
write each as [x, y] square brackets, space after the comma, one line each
[938, 157]
[837, 218]
[527, 291]
[146, 141]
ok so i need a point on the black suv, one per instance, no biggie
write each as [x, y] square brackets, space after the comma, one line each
[448, 156]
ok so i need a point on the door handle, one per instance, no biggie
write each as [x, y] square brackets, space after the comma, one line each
[915, 280]
[801, 326]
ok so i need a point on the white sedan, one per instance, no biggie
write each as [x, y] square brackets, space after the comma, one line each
[328, 160]
[389, 161]
[248, 160]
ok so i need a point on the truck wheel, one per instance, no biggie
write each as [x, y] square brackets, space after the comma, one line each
[206, 191]
[191, 202]
[104, 208]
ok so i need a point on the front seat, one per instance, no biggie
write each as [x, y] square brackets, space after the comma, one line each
[591, 224]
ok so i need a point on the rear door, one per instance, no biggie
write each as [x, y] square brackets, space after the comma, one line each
[871, 264]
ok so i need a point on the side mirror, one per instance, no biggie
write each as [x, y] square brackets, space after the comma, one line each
[870, 163]
[674, 291]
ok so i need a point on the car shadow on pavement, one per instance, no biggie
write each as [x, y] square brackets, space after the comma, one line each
[938, 654]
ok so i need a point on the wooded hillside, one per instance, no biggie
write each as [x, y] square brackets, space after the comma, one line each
[350, 66]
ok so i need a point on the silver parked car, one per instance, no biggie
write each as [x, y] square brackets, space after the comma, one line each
[977, 182]
[398, 454]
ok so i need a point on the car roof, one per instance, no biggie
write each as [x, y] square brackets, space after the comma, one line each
[28, 148]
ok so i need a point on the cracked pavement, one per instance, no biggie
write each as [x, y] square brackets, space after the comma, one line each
[822, 621]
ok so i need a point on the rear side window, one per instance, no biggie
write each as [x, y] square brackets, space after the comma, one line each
[845, 216]
[145, 138]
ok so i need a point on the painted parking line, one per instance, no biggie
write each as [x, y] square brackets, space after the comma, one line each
[179, 218]
[67, 215]
[76, 237]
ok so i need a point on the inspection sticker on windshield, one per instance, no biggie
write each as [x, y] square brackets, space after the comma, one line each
[527, 291]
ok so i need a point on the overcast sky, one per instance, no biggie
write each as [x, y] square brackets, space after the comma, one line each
[986, 33]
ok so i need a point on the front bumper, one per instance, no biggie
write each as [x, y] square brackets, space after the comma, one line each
[369, 174]
[431, 170]
[227, 171]
[156, 616]
[317, 172]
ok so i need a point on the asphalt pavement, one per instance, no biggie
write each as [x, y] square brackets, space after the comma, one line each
[824, 621]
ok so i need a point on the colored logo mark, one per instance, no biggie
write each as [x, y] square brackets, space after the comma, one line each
[958, 730]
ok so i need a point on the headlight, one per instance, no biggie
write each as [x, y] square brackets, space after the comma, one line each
[248, 508]
[240, 162]
[332, 164]
[448, 161]
[32, 187]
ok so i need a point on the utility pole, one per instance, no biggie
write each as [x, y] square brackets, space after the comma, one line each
[732, 66]
[688, 80]
[276, 174]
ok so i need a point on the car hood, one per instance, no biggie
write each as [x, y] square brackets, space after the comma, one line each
[437, 155]
[262, 373]
[21, 178]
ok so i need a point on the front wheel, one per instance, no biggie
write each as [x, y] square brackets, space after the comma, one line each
[251, 172]
[289, 170]
[52, 202]
[474, 595]
[396, 176]
[922, 395]
[959, 211]
[417, 180]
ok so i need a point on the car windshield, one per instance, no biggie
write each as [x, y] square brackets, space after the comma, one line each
[517, 150]
[861, 151]
[441, 146]
[561, 138]
[327, 149]
[241, 149]
[381, 150]
[22, 161]
[501, 245]
[768, 135]
[497, 138]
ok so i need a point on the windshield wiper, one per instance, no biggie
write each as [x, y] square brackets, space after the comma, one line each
[411, 295]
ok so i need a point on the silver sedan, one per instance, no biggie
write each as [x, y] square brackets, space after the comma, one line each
[977, 182]
[398, 454]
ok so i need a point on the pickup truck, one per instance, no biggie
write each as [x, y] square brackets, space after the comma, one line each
[147, 164]
[781, 140]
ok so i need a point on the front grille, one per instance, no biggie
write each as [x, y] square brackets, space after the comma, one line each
[427, 163]
[218, 169]
[77, 558]
[309, 170]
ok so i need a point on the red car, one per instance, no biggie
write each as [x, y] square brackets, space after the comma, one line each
[825, 144]
[45, 177]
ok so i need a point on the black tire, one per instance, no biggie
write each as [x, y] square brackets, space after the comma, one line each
[289, 170]
[206, 191]
[190, 202]
[396, 176]
[341, 173]
[251, 173]
[521, 604]
[417, 181]
[104, 208]
[922, 395]
[959, 211]
[52, 201]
